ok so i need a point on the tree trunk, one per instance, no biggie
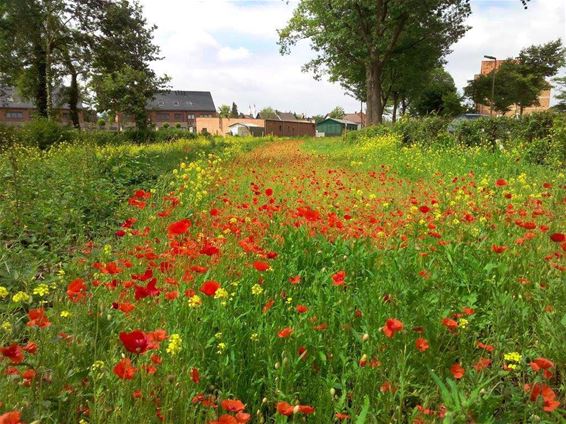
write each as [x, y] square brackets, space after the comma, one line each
[395, 106]
[74, 96]
[374, 89]
[41, 88]
[49, 79]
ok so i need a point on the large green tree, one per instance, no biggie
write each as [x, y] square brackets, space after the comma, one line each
[357, 40]
[439, 96]
[42, 42]
[122, 77]
[234, 111]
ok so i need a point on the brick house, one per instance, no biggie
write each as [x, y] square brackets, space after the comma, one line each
[276, 127]
[176, 108]
[544, 96]
[15, 110]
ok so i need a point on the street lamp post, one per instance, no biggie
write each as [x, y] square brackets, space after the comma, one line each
[492, 82]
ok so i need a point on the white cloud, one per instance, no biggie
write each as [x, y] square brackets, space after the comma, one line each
[228, 54]
[229, 48]
[501, 28]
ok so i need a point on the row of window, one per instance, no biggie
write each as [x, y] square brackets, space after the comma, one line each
[178, 117]
[17, 115]
[14, 115]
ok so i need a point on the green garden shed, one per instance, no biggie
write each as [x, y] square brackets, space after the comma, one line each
[332, 127]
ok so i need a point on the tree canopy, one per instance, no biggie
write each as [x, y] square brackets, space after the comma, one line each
[359, 42]
[104, 45]
[338, 112]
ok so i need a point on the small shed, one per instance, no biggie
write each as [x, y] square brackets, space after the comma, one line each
[243, 129]
[332, 127]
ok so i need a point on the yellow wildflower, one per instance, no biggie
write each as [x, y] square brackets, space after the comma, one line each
[174, 345]
[21, 297]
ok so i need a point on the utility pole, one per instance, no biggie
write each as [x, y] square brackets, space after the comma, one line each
[492, 82]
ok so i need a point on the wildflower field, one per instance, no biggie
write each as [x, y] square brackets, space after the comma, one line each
[305, 281]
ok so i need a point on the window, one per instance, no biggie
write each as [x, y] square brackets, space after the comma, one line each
[179, 117]
[191, 116]
[162, 116]
[14, 115]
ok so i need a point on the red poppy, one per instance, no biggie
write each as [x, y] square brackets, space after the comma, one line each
[486, 347]
[498, 249]
[268, 306]
[135, 342]
[243, 417]
[457, 371]
[195, 375]
[549, 397]
[482, 363]
[179, 227]
[209, 288]
[124, 369]
[37, 318]
[225, 419]
[301, 309]
[305, 409]
[391, 327]
[338, 278]
[269, 192]
[13, 417]
[286, 332]
[421, 344]
[450, 324]
[209, 250]
[76, 290]
[285, 408]
[341, 417]
[544, 365]
[261, 266]
[501, 182]
[541, 364]
[558, 237]
[232, 405]
[14, 353]
[295, 280]
[424, 209]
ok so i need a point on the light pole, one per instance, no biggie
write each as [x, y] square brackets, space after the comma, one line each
[492, 82]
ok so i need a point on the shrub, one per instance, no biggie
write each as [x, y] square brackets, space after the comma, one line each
[372, 131]
[8, 136]
[421, 131]
[43, 133]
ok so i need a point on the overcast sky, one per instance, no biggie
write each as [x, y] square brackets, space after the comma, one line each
[229, 47]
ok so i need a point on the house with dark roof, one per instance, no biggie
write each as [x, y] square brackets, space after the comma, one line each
[17, 110]
[176, 108]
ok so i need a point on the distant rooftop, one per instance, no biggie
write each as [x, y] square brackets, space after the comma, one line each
[10, 98]
[192, 101]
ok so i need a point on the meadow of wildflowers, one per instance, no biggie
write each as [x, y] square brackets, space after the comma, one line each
[306, 281]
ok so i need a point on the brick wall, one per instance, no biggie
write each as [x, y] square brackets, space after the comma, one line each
[221, 126]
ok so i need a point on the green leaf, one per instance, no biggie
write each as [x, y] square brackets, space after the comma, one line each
[362, 417]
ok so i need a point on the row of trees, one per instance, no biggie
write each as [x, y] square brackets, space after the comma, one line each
[100, 49]
[390, 53]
